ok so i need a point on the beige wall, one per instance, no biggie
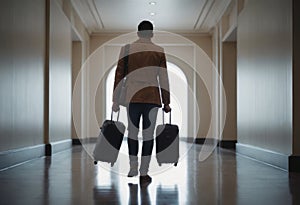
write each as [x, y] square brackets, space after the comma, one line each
[60, 74]
[264, 75]
[66, 58]
[80, 51]
[229, 61]
[203, 41]
[24, 68]
[76, 66]
[22, 59]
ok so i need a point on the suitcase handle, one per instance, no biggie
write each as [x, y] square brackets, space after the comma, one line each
[163, 116]
[111, 117]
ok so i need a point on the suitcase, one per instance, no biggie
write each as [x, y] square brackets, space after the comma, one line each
[167, 143]
[109, 141]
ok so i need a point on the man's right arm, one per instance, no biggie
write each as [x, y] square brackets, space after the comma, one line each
[164, 84]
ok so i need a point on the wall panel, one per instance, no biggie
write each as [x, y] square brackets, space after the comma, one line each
[229, 83]
[60, 75]
[22, 59]
[264, 76]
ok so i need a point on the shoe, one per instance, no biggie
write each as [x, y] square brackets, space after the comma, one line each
[145, 180]
[132, 173]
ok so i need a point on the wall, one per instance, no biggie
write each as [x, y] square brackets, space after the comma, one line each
[227, 61]
[202, 93]
[80, 52]
[69, 47]
[60, 74]
[35, 77]
[203, 41]
[264, 75]
[22, 60]
[229, 83]
[76, 66]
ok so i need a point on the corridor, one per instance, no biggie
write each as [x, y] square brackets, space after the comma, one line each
[233, 67]
[70, 177]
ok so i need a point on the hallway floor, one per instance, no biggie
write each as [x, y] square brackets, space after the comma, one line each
[70, 177]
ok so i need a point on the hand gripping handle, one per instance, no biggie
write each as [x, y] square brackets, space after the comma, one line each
[111, 117]
[163, 116]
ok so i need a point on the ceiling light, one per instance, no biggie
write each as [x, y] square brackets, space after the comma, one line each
[152, 3]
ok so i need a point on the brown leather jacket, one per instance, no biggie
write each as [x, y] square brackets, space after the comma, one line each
[147, 79]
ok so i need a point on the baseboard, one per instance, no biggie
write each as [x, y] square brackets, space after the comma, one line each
[76, 141]
[59, 146]
[294, 163]
[17, 156]
[227, 144]
[272, 158]
[87, 140]
[199, 140]
[13, 157]
[187, 139]
[205, 140]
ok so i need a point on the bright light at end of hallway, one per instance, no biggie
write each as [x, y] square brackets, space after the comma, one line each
[153, 3]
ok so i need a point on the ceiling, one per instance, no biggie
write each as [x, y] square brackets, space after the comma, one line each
[198, 16]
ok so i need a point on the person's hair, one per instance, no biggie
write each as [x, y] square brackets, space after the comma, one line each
[145, 29]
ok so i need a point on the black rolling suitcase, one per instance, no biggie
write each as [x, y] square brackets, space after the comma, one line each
[109, 141]
[167, 143]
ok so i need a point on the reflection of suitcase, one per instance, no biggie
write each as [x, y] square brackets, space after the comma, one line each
[167, 143]
[109, 141]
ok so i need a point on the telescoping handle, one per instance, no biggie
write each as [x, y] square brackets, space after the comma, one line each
[111, 117]
[163, 116]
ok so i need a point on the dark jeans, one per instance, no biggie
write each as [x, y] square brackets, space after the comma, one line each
[134, 113]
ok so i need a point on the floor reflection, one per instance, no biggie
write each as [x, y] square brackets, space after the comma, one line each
[133, 194]
[135, 198]
[294, 186]
[164, 189]
[70, 177]
[137, 194]
[46, 187]
[111, 188]
[106, 195]
[167, 195]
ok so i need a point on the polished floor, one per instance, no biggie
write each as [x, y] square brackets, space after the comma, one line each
[70, 177]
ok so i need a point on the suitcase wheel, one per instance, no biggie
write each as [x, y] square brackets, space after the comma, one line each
[95, 162]
[175, 164]
[112, 164]
[159, 164]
